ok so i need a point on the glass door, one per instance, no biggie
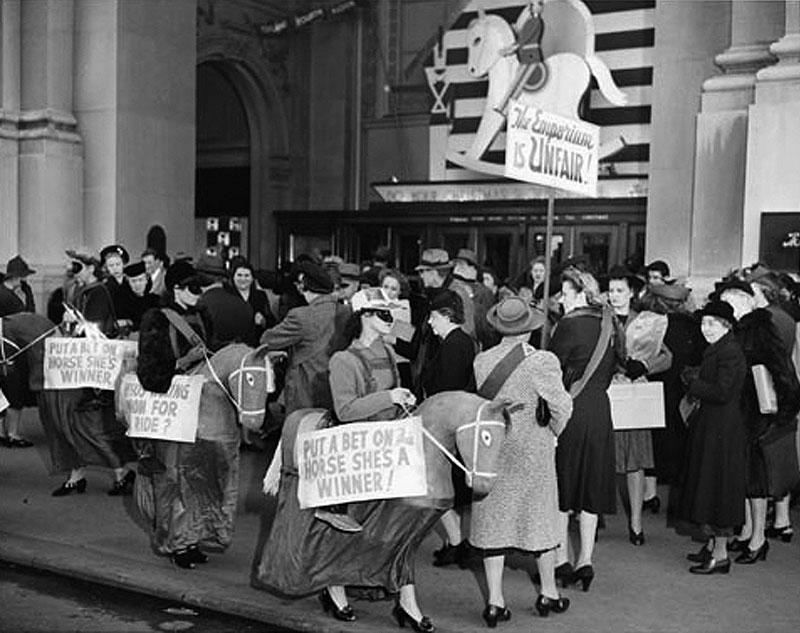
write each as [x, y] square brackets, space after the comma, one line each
[599, 244]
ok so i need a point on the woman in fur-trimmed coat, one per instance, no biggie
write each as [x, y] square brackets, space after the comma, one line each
[762, 345]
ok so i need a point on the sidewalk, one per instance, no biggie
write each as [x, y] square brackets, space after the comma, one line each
[95, 537]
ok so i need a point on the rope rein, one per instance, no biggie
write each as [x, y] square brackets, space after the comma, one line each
[476, 424]
[7, 360]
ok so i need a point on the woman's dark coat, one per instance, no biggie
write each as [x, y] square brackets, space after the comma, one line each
[712, 490]
[762, 345]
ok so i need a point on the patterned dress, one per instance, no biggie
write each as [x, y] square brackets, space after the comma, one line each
[521, 511]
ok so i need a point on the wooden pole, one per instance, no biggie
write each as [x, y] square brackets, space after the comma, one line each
[548, 264]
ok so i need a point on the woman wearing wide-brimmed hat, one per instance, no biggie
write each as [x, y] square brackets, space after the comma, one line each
[521, 512]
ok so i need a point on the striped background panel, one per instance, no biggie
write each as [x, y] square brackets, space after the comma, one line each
[624, 39]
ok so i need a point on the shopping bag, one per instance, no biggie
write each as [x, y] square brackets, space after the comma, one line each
[638, 405]
[765, 389]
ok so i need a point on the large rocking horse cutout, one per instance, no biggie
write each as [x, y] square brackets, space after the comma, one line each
[570, 61]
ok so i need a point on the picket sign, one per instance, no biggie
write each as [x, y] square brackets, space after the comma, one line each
[638, 405]
[72, 363]
[162, 416]
[361, 461]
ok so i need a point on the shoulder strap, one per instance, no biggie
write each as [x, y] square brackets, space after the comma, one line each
[597, 354]
[183, 327]
[371, 384]
[501, 372]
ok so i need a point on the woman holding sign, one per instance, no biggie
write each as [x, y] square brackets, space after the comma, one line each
[80, 424]
[365, 385]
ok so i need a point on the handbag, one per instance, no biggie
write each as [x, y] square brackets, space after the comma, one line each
[778, 446]
[688, 408]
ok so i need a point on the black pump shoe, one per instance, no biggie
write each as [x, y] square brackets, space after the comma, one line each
[750, 556]
[701, 556]
[737, 545]
[124, 486]
[653, 504]
[564, 574]
[636, 538]
[68, 487]
[583, 575]
[493, 614]
[784, 533]
[345, 613]
[197, 554]
[183, 558]
[401, 615]
[545, 605]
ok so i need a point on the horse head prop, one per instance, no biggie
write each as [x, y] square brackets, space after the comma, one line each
[245, 377]
[568, 48]
[477, 427]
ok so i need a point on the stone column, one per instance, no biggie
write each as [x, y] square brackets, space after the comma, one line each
[50, 163]
[688, 35]
[773, 149]
[721, 140]
[9, 125]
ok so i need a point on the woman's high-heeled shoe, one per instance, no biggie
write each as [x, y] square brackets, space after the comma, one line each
[636, 538]
[183, 559]
[563, 574]
[493, 614]
[784, 533]
[68, 487]
[583, 575]
[739, 545]
[545, 605]
[124, 486]
[653, 504]
[402, 616]
[701, 556]
[750, 556]
[345, 613]
[197, 555]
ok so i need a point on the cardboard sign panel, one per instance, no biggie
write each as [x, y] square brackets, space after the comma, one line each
[361, 461]
[71, 363]
[548, 149]
[638, 405]
[162, 416]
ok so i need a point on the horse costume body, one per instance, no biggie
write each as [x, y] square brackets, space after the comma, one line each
[188, 492]
[79, 424]
[568, 45]
[304, 555]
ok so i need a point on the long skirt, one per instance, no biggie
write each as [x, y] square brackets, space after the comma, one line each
[82, 430]
[188, 492]
[304, 555]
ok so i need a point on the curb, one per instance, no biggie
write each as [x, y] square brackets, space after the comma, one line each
[148, 579]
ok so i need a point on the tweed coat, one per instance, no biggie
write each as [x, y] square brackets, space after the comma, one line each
[521, 511]
[311, 334]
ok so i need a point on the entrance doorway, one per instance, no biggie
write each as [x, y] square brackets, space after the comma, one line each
[223, 172]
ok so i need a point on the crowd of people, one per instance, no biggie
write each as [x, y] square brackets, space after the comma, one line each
[369, 342]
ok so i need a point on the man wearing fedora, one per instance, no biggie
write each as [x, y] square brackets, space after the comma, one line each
[15, 296]
[310, 334]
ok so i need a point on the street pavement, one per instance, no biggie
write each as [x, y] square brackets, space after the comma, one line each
[98, 538]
